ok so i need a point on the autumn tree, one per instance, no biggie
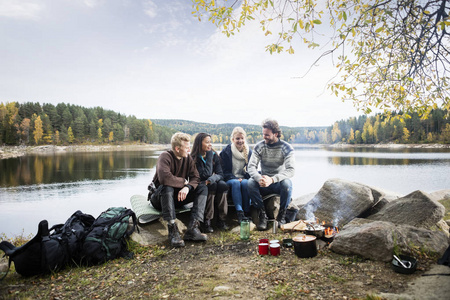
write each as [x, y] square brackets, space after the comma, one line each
[9, 118]
[99, 130]
[391, 55]
[38, 131]
[351, 138]
[70, 135]
[25, 130]
[336, 133]
[445, 136]
[56, 138]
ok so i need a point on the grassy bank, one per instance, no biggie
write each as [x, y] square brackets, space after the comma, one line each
[222, 268]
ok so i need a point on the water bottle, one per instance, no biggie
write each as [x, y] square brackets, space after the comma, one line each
[245, 229]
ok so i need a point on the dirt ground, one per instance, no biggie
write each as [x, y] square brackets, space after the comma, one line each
[222, 268]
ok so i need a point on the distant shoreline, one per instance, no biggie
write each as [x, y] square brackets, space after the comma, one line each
[17, 151]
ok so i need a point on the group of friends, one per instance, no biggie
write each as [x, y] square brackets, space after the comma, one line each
[204, 177]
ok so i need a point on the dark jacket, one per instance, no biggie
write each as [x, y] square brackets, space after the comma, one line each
[227, 164]
[209, 168]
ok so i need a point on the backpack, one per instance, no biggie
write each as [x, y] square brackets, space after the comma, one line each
[445, 259]
[46, 252]
[106, 239]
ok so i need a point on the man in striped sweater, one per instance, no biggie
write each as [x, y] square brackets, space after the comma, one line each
[277, 161]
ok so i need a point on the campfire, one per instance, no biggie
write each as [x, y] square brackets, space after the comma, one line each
[313, 227]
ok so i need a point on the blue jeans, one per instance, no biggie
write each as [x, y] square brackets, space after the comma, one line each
[239, 194]
[282, 188]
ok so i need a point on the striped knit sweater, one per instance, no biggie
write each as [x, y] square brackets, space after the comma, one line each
[277, 161]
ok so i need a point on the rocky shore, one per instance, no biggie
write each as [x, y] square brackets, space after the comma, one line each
[17, 151]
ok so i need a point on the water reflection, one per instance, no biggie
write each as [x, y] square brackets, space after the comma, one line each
[372, 161]
[72, 167]
[34, 188]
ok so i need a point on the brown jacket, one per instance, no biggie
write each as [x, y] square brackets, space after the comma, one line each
[173, 172]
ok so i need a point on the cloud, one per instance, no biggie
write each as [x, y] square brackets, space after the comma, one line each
[19, 9]
[150, 9]
[93, 3]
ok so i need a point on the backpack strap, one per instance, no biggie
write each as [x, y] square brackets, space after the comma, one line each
[11, 250]
[8, 248]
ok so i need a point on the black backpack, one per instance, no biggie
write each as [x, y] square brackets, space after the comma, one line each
[106, 239]
[50, 251]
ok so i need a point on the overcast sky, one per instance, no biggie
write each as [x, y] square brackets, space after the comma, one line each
[154, 60]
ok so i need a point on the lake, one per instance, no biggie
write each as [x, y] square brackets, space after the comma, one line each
[52, 187]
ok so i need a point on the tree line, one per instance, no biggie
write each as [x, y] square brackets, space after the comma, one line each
[35, 124]
[381, 128]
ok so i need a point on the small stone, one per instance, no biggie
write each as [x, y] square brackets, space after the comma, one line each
[221, 288]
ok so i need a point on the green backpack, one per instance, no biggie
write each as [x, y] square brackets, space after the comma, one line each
[106, 239]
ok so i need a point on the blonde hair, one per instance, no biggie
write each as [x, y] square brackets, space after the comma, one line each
[239, 130]
[178, 138]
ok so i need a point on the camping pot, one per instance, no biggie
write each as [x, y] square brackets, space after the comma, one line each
[317, 231]
[305, 246]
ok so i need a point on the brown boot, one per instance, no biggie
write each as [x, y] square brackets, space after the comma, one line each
[193, 232]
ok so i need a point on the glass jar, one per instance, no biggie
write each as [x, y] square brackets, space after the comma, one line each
[245, 229]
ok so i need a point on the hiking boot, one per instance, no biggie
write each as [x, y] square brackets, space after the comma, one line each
[193, 233]
[281, 218]
[174, 236]
[206, 227]
[262, 223]
[240, 216]
[221, 225]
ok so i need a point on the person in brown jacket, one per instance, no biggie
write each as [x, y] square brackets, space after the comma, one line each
[177, 182]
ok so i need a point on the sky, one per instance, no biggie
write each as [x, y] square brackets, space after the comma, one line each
[154, 60]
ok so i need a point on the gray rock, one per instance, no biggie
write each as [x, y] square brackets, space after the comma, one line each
[416, 209]
[377, 239]
[338, 202]
[372, 240]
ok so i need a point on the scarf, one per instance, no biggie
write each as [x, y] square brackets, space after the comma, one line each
[239, 161]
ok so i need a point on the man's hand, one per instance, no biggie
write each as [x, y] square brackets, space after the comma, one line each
[182, 194]
[265, 181]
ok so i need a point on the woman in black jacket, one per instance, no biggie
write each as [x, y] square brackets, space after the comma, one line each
[234, 159]
[210, 169]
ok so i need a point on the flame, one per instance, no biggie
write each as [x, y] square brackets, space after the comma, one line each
[329, 231]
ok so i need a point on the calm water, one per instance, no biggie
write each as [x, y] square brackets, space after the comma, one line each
[52, 187]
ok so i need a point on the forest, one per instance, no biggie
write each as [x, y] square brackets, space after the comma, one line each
[35, 124]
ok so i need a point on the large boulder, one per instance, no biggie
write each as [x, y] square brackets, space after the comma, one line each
[416, 209]
[338, 202]
[377, 239]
